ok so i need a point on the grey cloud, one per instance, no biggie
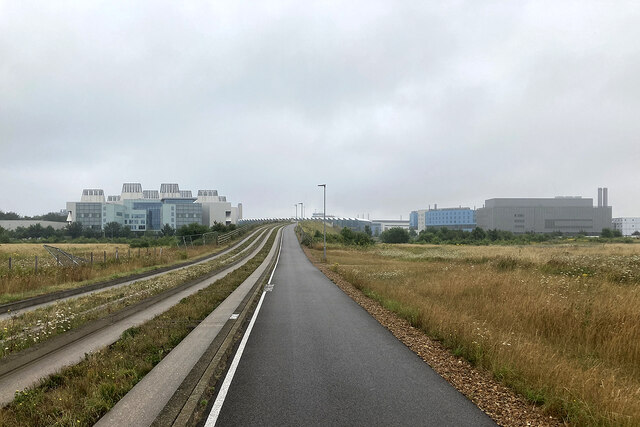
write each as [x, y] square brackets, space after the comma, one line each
[395, 105]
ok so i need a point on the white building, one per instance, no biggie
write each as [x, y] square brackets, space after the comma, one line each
[216, 208]
[380, 225]
[143, 210]
[627, 226]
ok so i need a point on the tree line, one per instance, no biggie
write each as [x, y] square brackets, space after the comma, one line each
[478, 236]
[51, 216]
[113, 230]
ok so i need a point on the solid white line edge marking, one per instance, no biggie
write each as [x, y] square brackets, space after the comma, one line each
[222, 394]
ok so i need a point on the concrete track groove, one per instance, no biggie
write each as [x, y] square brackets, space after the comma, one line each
[145, 401]
[74, 352]
[7, 315]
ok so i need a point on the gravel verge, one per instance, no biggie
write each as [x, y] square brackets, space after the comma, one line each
[501, 403]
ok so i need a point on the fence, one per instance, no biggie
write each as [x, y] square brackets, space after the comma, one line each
[60, 258]
[303, 237]
[213, 237]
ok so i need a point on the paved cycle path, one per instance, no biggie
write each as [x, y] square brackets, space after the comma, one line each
[314, 357]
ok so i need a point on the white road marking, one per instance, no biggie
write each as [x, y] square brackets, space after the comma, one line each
[222, 394]
[234, 316]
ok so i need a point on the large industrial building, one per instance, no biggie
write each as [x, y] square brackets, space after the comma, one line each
[546, 215]
[143, 210]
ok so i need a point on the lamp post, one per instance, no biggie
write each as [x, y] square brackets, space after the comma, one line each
[301, 209]
[324, 220]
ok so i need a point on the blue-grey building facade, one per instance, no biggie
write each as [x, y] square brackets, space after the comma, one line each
[150, 209]
[413, 220]
[452, 218]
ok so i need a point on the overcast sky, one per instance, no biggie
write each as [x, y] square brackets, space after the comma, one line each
[394, 105]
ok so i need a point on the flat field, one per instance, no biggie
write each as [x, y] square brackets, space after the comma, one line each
[23, 281]
[23, 254]
[558, 323]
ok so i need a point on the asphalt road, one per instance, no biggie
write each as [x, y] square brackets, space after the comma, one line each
[314, 357]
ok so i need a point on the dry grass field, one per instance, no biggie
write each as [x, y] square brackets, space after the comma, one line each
[22, 281]
[558, 323]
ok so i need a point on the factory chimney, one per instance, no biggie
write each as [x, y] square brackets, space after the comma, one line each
[599, 197]
[605, 197]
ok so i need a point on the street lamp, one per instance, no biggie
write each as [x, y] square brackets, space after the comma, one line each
[324, 220]
[301, 209]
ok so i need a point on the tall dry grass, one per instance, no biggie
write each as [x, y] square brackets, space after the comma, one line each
[23, 281]
[560, 324]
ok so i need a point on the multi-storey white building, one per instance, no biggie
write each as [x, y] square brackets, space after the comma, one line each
[627, 226]
[143, 210]
[216, 208]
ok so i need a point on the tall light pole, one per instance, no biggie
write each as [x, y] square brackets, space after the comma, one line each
[324, 220]
[301, 209]
[296, 205]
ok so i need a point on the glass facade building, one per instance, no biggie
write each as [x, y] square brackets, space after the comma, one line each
[150, 210]
[89, 214]
[413, 220]
[453, 218]
[153, 213]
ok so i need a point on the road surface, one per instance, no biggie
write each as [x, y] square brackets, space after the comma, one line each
[314, 357]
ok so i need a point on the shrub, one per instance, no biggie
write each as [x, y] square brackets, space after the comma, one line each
[395, 235]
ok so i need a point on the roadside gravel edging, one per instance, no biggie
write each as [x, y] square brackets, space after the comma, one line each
[501, 403]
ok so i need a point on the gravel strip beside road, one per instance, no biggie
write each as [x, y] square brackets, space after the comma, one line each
[502, 404]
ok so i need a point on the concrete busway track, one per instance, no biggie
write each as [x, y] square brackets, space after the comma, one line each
[26, 368]
[158, 390]
[312, 356]
[15, 308]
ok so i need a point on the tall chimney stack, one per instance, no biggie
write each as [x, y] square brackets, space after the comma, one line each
[605, 197]
[599, 197]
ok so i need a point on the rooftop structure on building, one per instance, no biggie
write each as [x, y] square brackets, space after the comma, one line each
[320, 215]
[151, 194]
[144, 210]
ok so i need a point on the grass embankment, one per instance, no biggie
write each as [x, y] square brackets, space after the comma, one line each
[22, 281]
[559, 324]
[81, 394]
[25, 330]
